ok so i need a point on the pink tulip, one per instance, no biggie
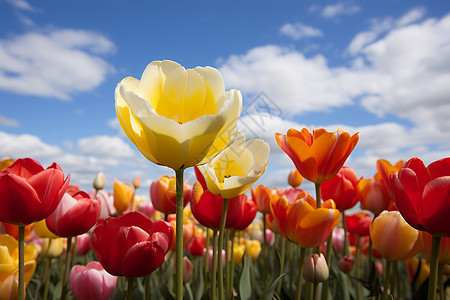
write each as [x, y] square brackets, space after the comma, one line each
[92, 282]
[83, 243]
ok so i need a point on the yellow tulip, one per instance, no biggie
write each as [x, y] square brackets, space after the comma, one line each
[394, 238]
[9, 262]
[52, 247]
[238, 253]
[42, 231]
[123, 195]
[233, 171]
[176, 117]
[253, 248]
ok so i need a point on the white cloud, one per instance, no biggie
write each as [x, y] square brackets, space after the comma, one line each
[25, 145]
[338, 9]
[5, 121]
[54, 63]
[298, 31]
[21, 5]
[106, 146]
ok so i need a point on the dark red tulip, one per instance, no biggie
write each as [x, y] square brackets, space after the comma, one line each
[74, 215]
[422, 195]
[131, 245]
[30, 193]
[359, 223]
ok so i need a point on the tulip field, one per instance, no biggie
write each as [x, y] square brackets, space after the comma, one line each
[225, 236]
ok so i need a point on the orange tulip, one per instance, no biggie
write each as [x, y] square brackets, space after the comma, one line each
[261, 195]
[319, 155]
[163, 194]
[384, 171]
[300, 221]
[373, 195]
[394, 238]
[295, 179]
[123, 195]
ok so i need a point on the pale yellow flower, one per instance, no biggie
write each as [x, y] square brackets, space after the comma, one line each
[233, 171]
[176, 117]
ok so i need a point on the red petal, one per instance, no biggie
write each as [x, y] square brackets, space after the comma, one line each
[435, 207]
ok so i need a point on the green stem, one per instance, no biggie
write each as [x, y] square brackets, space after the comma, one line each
[67, 267]
[21, 292]
[319, 205]
[74, 254]
[219, 250]
[358, 270]
[301, 263]
[179, 235]
[328, 259]
[264, 251]
[206, 264]
[441, 281]
[432, 283]
[130, 281]
[282, 254]
[316, 291]
[48, 263]
[214, 265]
[230, 288]
[386, 279]
[344, 225]
[291, 269]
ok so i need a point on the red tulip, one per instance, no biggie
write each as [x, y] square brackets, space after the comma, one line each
[358, 223]
[341, 188]
[92, 282]
[207, 209]
[74, 215]
[261, 195]
[422, 195]
[30, 193]
[131, 245]
[196, 246]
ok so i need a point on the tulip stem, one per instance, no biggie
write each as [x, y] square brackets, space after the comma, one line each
[386, 279]
[319, 205]
[441, 281]
[358, 269]
[432, 283]
[300, 272]
[264, 250]
[231, 275]
[325, 285]
[282, 258]
[67, 268]
[214, 265]
[206, 264]
[48, 263]
[344, 226]
[179, 235]
[220, 247]
[21, 291]
[130, 282]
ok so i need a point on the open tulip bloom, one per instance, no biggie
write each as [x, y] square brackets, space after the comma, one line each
[176, 117]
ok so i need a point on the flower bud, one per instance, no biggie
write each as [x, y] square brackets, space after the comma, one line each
[137, 182]
[187, 270]
[316, 268]
[99, 181]
[295, 178]
[345, 264]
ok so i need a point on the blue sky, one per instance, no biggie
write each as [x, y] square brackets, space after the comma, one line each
[381, 68]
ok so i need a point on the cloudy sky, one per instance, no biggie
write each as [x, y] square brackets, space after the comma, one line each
[380, 68]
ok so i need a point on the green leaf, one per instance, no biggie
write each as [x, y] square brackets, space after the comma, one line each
[245, 288]
[268, 295]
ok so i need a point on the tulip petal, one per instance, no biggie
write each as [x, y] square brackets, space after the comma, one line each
[435, 206]
[439, 168]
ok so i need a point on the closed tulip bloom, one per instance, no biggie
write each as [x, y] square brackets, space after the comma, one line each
[99, 181]
[316, 268]
[30, 193]
[384, 171]
[52, 247]
[295, 179]
[261, 195]
[238, 253]
[9, 265]
[345, 264]
[341, 188]
[131, 245]
[207, 209]
[422, 195]
[233, 171]
[107, 208]
[83, 243]
[373, 195]
[123, 195]
[359, 223]
[163, 194]
[394, 238]
[319, 155]
[91, 282]
[196, 246]
[252, 248]
[301, 222]
[176, 117]
[74, 215]
[188, 233]
[146, 208]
